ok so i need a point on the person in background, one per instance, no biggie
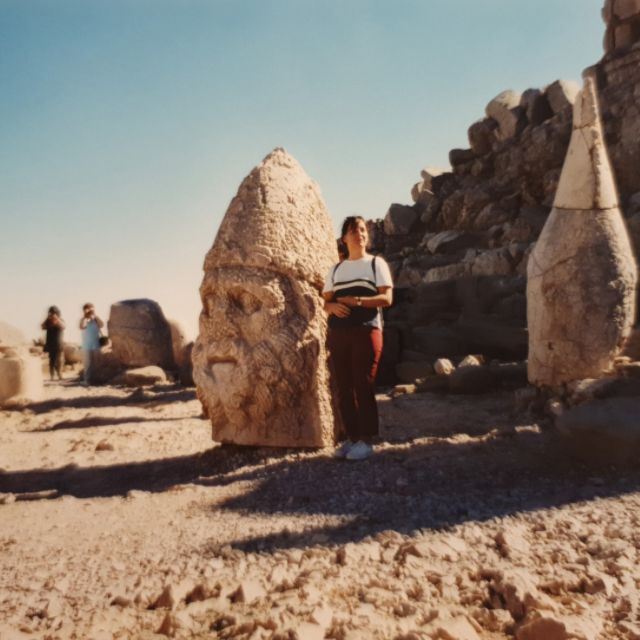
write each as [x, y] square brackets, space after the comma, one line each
[90, 324]
[355, 291]
[54, 326]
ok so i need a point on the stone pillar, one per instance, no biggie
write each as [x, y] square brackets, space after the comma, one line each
[582, 273]
[260, 362]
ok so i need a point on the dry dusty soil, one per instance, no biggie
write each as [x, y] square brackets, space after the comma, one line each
[120, 518]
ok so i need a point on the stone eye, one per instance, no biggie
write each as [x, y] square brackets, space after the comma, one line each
[247, 302]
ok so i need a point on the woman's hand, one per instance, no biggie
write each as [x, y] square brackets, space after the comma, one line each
[348, 301]
[338, 309]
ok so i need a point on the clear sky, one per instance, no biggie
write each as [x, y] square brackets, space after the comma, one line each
[126, 126]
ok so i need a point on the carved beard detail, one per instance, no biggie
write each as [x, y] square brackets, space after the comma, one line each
[248, 392]
[257, 366]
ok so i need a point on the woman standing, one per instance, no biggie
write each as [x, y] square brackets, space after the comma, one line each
[54, 326]
[355, 291]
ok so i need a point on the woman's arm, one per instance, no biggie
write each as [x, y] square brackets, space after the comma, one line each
[333, 307]
[384, 298]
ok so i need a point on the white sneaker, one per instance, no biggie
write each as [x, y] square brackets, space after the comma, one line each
[360, 451]
[343, 449]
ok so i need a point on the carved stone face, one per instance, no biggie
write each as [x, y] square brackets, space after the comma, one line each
[251, 327]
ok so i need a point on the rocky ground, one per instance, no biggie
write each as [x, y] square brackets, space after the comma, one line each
[119, 518]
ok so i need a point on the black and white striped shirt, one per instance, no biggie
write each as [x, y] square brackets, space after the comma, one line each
[358, 278]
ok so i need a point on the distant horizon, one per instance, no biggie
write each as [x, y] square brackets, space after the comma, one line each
[127, 128]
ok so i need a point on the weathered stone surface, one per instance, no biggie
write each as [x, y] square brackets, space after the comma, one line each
[481, 135]
[623, 24]
[561, 94]
[140, 334]
[506, 111]
[536, 106]
[448, 272]
[72, 353]
[20, 378]
[581, 273]
[443, 367]
[493, 262]
[399, 220]
[143, 376]
[259, 362]
[451, 241]
[428, 174]
[105, 367]
[603, 430]
[178, 343]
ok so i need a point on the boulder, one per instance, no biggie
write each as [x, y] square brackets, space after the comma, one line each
[582, 273]
[495, 262]
[20, 378]
[536, 106]
[144, 376]
[72, 353]
[428, 174]
[105, 367]
[506, 111]
[452, 241]
[140, 334]
[561, 94]
[260, 361]
[481, 135]
[605, 430]
[399, 220]
[443, 367]
[178, 343]
[448, 272]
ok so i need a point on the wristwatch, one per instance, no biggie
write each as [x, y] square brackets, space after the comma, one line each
[358, 301]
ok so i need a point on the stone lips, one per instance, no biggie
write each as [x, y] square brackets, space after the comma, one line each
[259, 363]
[278, 189]
[582, 273]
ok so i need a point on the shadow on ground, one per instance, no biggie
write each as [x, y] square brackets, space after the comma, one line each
[431, 483]
[98, 421]
[153, 396]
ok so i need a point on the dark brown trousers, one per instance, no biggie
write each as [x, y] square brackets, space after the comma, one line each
[354, 354]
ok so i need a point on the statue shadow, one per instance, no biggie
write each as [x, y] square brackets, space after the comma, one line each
[430, 485]
[148, 397]
[119, 479]
[98, 421]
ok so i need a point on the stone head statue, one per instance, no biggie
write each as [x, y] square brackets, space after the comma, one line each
[259, 363]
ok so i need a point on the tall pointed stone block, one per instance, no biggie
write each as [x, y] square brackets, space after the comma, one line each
[259, 362]
[582, 273]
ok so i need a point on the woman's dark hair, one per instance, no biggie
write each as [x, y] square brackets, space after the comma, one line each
[349, 223]
[55, 310]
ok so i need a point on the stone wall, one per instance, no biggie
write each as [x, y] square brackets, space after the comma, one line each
[459, 252]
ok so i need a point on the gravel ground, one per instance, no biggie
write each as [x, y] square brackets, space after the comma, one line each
[120, 518]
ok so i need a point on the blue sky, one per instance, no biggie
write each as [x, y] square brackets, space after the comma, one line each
[126, 126]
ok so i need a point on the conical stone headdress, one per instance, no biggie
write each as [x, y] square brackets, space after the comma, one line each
[277, 221]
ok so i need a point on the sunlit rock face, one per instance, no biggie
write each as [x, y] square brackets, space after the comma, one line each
[259, 362]
[581, 273]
